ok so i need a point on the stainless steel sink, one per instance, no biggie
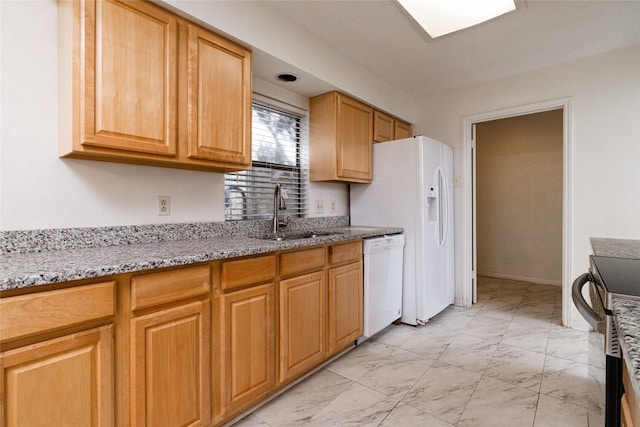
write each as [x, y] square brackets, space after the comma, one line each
[296, 235]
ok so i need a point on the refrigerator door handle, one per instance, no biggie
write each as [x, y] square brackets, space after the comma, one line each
[443, 207]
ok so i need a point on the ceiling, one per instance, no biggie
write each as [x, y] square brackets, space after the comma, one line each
[379, 35]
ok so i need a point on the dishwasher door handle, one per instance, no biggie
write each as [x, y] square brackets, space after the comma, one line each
[596, 322]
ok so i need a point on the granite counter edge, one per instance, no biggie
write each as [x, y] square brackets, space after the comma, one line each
[626, 313]
[220, 251]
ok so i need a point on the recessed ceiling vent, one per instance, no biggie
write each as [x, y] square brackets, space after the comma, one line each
[287, 77]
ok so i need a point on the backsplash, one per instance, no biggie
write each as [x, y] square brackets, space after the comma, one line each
[26, 241]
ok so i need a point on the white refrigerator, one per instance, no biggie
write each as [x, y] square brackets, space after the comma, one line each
[412, 188]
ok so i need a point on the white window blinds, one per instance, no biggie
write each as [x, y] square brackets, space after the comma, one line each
[279, 154]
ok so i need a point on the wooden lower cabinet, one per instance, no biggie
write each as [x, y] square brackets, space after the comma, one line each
[66, 381]
[345, 305]
[188, 346]
[629, 407]
[246, 347]
[170, 359]
[303, 324]
[626, 419]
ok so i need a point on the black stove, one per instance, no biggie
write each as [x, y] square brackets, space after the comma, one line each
[617, 276]
[608, 277]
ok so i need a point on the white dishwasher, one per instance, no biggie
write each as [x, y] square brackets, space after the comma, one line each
[383, 258]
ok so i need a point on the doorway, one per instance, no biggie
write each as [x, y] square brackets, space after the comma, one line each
[519, 198]
[470, 230]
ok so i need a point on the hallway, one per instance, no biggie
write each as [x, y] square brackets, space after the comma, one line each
[507, 361]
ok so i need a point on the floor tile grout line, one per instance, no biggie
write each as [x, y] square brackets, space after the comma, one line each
[409, 388]
[484, 373]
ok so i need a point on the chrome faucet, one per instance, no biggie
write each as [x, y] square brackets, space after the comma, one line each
[279, 195]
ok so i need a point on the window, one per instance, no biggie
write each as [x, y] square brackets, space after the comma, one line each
[279, 154]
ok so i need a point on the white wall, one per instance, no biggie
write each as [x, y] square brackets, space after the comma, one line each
[605, 135]
[40, 190]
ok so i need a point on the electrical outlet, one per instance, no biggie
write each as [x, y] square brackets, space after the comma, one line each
[319, 206]
[164, 205]
[332, 206]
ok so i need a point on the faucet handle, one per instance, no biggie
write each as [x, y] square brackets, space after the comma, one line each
[283, 192]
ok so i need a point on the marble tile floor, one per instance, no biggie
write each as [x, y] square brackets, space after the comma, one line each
[507, 361]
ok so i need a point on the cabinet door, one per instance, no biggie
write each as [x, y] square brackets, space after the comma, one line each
[303, 324]
[355, 123]
[626, 420]
[170, 361]
[345, 305]
[219, 98]
[383, 127]
[66, 381]
[128, 87]
[402, 130]
[247, 345]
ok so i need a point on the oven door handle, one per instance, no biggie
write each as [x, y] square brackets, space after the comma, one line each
[596, 322]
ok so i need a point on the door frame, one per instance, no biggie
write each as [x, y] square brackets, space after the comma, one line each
[469, 275]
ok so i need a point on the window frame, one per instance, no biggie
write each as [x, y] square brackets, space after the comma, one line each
[253, 187]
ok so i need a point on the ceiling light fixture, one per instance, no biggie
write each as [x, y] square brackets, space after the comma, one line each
[440, 17]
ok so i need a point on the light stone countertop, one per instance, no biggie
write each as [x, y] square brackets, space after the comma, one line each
[626, 312]
[616, 248]
[21, 270]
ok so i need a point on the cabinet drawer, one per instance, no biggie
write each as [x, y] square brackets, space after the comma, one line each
[304, 260]
[159, 288]
[47, 311]
[246, 271]
[342, 252]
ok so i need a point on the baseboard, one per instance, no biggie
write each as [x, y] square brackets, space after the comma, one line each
[521, 278]
[459, 302]
[581, 325]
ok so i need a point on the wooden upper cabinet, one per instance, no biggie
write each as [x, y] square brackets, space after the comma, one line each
[141, 85]
[219, 98]
[401, 130]
[386, 128]
[383, 127]
[341, 133]
[127, 77]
